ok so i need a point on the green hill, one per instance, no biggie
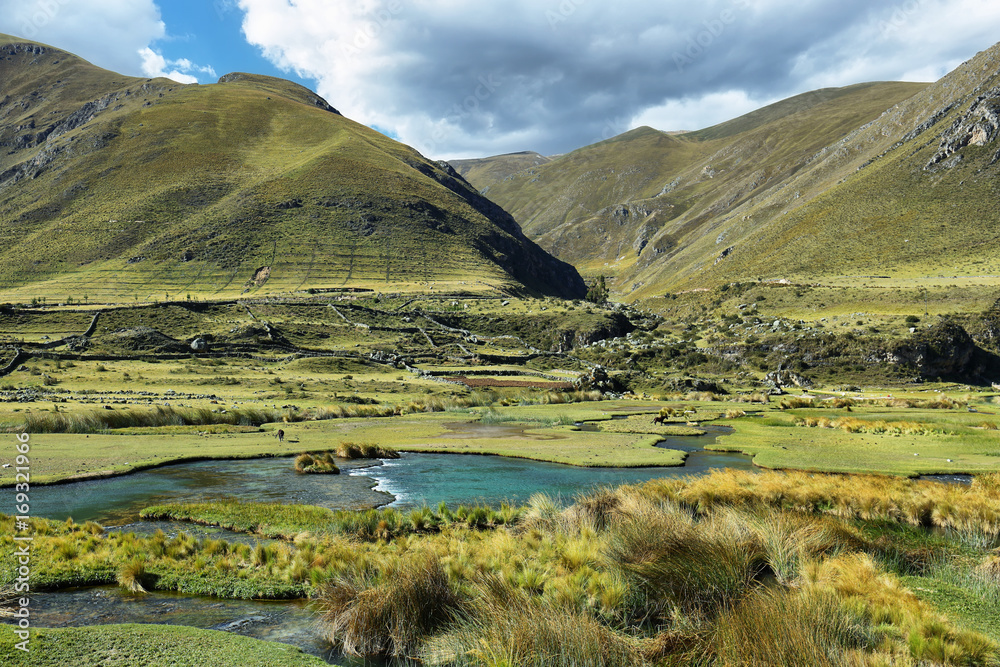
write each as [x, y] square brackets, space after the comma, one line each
[497, 168]
[656, 209]
[115, 187]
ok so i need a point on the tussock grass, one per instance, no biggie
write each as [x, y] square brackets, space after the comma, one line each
[795, 403]
[131, 575]
[768, 569]
[289, 521]
[973, 510]
[675, 561]
[876, 427]
[755, 397]
[387, 612]
[316, 464]
[787, 627]
[104, 420]
[506, 626]
[365, 450]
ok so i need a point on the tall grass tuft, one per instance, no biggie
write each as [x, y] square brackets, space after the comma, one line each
[316, 464]
[131, 575]
[784, 627]
[103, 420]
[676, 561]
[387, 613]
[364, 450]
[507, 627]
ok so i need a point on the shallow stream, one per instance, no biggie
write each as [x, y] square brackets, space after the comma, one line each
[413, 480]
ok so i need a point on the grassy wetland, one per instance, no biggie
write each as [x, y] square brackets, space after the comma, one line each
[827, 569]
[269, 280]
[833, 556]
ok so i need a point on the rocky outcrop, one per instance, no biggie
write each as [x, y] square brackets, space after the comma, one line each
[782, 378]
[693, 384]
[945, 350]
[597, 379]
[979, 126]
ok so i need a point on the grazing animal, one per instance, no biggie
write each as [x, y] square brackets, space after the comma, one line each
[281, 435]
[658, 419]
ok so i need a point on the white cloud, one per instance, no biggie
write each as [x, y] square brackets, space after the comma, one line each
[568, 72]
[108, 33]
[696, 113]
[114, 34]
[154, 65]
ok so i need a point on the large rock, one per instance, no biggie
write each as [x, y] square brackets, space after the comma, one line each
[944, 350]
[597, 378]
[785, 378]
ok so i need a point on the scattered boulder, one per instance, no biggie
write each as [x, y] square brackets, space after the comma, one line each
[597, 378]
[782, 378]
[199, 345]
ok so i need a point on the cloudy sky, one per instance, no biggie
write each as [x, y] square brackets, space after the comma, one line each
[462, 79]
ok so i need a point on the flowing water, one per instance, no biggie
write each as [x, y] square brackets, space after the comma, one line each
[413, 480]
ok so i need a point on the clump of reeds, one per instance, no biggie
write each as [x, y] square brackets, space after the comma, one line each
[503, 625]
[755, 397]
[675, 561]
[968, 510]
[316, 464]
[387, 613]
[131, 575]
[989, 569]
[796, 402]
[104, 420]
[365, 450]
[787, 627]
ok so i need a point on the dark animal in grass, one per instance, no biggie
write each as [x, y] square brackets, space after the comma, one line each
[280, 435]
[659, 419]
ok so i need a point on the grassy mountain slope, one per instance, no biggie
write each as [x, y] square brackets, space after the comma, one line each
[628, 205]
[498, 168]
[122, 188]
[909, 196]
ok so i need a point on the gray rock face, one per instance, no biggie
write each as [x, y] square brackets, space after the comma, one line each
[979, 126]
[199, 345]
[786, 378]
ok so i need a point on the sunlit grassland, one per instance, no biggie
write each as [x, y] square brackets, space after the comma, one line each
[291, 522]
[149, 646]
[450, 433]
[776, 441]
[57, 456]
[307, 383]
[866, 438]
[729, 569]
